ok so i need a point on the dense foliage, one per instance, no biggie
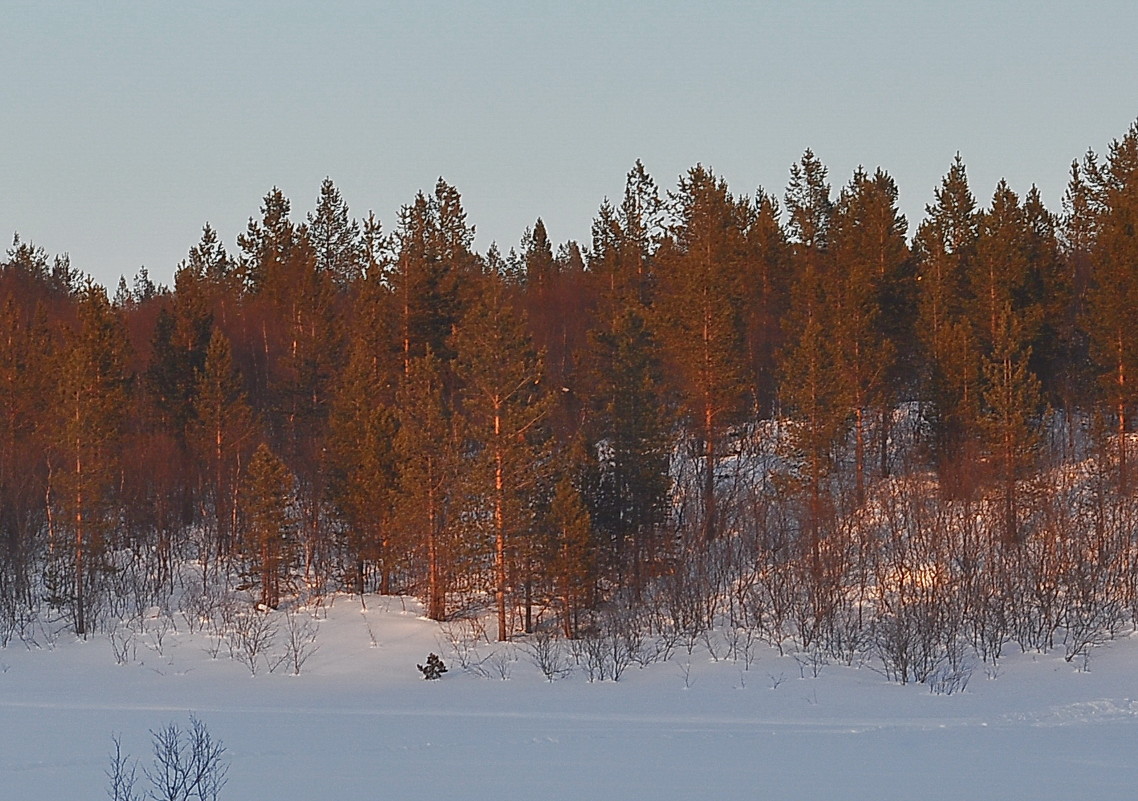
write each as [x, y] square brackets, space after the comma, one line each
[790, 420]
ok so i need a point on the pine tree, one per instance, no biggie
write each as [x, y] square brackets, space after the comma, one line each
[504, 404]
[1010, 419]
[699, 305]
[267, 496]
[221, 436]
[944, 245]
[92, 398]
[428, 459]
[573, 560]
[1113, 298]
[336, 238]
[869, 257]
[361, 443]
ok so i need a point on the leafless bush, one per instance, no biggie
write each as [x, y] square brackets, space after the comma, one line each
[252, 636]
[198, 608]
[948, 679]
[685, 673]
[499, 663]
[187, 764]
[810, 663]
[122, 774]
[462, 639]
[607, 653]
[299, 642]
[157, 631]
[15, 618]
[588, 652]
[1090, 623]
[547, 653]
[123, 644]
[908, 643]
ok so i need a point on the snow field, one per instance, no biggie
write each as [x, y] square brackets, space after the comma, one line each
[360, 722]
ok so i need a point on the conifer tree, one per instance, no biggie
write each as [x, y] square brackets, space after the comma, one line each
[629, 483]
[767, 279]
[504, 404]
[25, 388]
[870, 255]
[92, 398]
[426, 447]
[434, 257]
[1011, 413]
[811, 389]
[944, 245]
[700, 311]
[814, 395]
[221, 438]
[809, 205]
[336, 238]
[1113, 298]
[267, 496]
[361, 441]
[267, 244]
[999, 273]
[573, 559]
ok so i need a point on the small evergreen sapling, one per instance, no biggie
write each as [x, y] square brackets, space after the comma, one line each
[434, 669]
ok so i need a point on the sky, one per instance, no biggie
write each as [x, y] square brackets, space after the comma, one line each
[125, 126]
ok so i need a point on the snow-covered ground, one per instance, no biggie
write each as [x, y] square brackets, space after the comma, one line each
[359, 722]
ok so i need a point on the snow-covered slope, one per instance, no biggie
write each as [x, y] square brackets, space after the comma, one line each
[359, 722]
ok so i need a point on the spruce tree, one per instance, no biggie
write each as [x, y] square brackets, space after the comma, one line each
[629, 485]
[767, 281]
[573, 559]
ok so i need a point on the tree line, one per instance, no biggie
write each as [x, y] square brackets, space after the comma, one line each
[794, 412]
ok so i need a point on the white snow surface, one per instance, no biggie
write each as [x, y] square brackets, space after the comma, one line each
[360, 722]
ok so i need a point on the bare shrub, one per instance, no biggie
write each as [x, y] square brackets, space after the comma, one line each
[299, 642]
[123, 644]
[187, 764]
[500, 663]
[547, 653]
[462, 639]
[252, 636]
[948, 679]
[122, 774]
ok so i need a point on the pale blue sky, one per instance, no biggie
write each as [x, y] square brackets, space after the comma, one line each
[127, 125]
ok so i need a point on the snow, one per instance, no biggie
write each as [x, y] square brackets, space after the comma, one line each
[360, 722]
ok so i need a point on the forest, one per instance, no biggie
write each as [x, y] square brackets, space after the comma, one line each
[794, 420]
